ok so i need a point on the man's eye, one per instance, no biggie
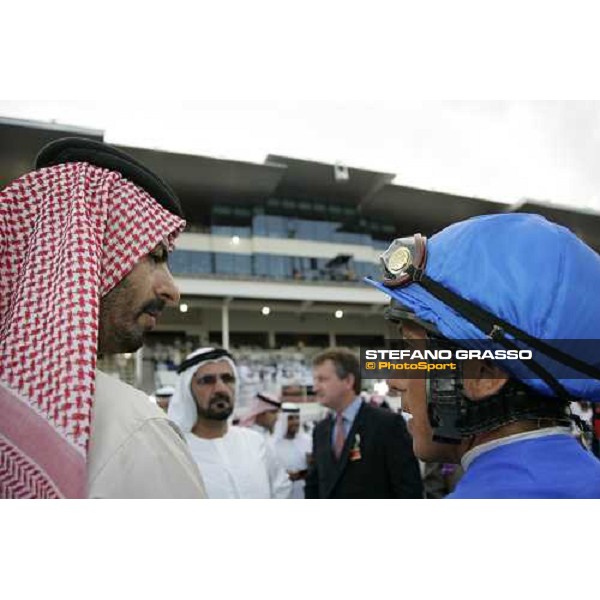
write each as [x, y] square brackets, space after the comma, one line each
[159, 256]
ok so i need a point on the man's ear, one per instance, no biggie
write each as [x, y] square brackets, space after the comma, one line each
[482, 379]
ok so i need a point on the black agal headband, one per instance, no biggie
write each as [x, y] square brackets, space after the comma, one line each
[75, 149]
[215, 354]
[267, 400]
[404, 263]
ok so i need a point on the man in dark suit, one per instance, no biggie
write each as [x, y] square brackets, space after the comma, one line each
[360, 451]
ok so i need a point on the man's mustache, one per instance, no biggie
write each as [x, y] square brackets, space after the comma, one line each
[154, 307]
[220, 397]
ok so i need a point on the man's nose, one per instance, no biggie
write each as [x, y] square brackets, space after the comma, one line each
[221, 386]
[166, 289]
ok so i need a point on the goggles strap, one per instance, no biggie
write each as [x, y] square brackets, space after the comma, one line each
[483, 320]
[495, 326]
[536, 368]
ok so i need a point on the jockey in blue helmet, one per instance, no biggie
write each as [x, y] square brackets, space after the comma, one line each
[508, 281]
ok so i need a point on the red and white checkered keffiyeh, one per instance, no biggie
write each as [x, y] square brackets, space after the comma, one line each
[69, 234]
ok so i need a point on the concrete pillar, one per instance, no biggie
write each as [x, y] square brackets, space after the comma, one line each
[225, 324]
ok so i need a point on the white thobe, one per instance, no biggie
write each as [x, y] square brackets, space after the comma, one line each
[135, 450]
[261, 430]
[293, 454]
[239, 465]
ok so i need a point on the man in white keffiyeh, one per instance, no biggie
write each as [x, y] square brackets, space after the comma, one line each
[83, 249]
[293, 447]
[235, 462]
[262, 414]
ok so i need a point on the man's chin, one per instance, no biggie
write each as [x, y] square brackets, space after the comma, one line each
[134, 341]
[120, 344]
[433, 452]
[216, 415]
[220, 416]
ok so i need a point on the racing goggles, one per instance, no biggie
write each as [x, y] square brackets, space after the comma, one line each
[404, 261]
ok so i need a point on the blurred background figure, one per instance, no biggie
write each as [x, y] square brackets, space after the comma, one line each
[582, 426]
[583, 410]
[359, 451]
[163, 396]
[262, 414]
[596, 430]
[262, 418]
[379, 401]
[293, 447]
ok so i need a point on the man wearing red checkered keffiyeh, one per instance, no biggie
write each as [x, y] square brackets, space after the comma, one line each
[83, 271]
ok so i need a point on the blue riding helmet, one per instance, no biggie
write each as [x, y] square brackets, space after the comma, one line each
[529, 273]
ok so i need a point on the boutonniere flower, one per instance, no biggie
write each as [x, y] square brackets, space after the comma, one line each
[355, 450]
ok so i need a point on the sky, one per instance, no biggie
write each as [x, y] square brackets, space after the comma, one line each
[497, 150]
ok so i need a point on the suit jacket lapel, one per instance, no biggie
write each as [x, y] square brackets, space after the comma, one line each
[329, 462]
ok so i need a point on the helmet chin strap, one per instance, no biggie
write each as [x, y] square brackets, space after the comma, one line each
[454, 417]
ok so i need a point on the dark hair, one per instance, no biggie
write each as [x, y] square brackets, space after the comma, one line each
[345, 362]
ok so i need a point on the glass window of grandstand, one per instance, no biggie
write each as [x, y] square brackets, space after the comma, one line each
[301, 219]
